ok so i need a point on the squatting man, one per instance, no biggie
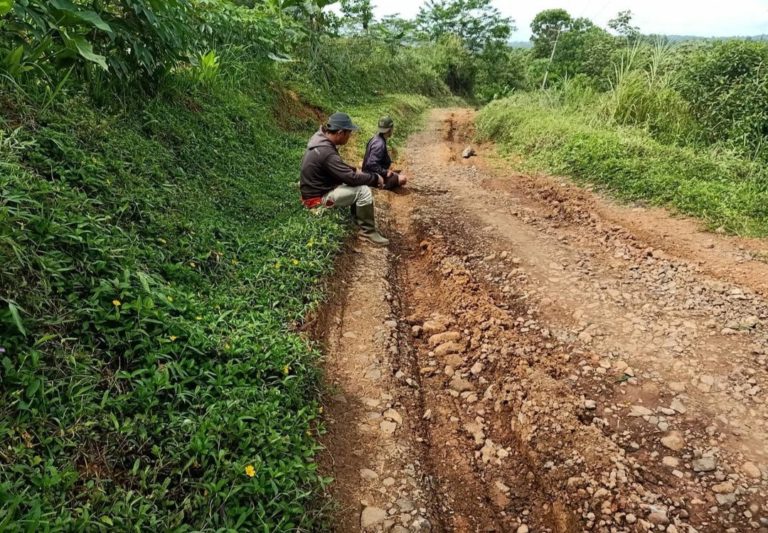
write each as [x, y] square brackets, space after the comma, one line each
[327, 181]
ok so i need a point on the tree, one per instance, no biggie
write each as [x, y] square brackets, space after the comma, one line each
[546, 29]
[357, 12]
[622, 24]
[477, 23]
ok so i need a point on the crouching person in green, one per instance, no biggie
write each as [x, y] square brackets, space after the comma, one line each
[327, 181]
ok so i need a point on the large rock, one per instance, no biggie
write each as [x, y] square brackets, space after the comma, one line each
[448, 348]
[751, 470]
[674, 441]
[705, 464]
[430, 327]
[460, 385]
[372, 516]
[440, 338]
[639, 410]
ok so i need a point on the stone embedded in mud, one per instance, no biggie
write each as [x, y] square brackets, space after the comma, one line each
[658, 516]
[432, 327]
[448, 348]
[416, 331]
[455, 360]
[678, 406]
[405, 505]
[387, 427]
[752, 470]
[441, 338]
[726, 500]
[368, 474]
[672, 462]
[673, 441]
[394, 416]
[723, 488]
[372, 516]
[639, 410]
[705, 464]
[590, 405]
[460, 385]
[421, 524]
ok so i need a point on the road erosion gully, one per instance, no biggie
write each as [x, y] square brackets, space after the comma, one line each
[528, 356]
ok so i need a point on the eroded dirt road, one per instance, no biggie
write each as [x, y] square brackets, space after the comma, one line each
[527, 356]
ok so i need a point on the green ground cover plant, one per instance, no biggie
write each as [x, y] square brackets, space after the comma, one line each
[154, 262]
[722, 187]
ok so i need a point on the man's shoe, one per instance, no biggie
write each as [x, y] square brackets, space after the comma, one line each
[375, 237]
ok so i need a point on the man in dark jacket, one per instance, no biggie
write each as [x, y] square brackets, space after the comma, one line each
[377, 158]
[326, 180]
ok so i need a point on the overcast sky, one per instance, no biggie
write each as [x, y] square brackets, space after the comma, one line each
[682, 17]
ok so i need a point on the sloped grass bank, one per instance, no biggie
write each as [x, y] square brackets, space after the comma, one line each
[152, 264]
[721, 188]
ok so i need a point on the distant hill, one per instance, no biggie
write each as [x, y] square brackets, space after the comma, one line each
[671, 39]
[682, 38]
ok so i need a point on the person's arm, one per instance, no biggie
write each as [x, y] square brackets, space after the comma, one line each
[349, 175]
[376, 156]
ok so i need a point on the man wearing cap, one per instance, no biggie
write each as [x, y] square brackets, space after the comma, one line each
[377, 157]
[326, 180]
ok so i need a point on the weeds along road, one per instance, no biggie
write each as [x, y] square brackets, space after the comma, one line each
[527, 356]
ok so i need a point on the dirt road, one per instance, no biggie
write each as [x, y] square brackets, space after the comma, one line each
[528, 356]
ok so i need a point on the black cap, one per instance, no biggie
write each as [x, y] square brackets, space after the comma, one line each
[386, 124]
[340, 121]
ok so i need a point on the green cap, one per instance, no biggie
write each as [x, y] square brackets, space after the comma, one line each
[386, 124]
[340, 121]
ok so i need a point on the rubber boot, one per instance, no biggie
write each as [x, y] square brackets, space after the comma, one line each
[355, 218]
[368, 225]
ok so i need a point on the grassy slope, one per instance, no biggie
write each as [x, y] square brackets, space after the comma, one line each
[722, 189]
[151, 264]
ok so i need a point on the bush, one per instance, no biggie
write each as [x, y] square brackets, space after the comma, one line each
[726, 85]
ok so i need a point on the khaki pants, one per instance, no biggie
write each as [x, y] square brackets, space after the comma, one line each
[346, 195]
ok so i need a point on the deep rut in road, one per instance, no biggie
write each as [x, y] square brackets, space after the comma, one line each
[527, 356]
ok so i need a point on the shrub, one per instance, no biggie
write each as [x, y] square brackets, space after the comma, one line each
[726, 85]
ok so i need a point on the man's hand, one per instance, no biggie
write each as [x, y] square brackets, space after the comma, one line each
[402, 179]
[381, 182]
[389, 173]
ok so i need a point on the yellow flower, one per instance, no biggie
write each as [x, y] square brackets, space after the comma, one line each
[170, 299]
[117, 303]
[320, 409]
[162, 241]
[227, 346]
[193, 265]
[198, 317]
[286, 369]
[295, 261]
[277, 265]
[250, 471]
[173, 338]
[311, 243]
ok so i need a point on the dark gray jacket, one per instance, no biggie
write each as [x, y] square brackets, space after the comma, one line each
[377, 156]
[322, 169]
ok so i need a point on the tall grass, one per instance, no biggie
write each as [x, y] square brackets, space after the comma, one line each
[720, 187]
[642, 94]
